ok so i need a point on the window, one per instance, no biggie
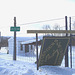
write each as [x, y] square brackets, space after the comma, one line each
[21, 47]
[31, 47]
[26, 48]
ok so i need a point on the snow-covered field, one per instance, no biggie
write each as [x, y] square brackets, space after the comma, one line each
[26, 66]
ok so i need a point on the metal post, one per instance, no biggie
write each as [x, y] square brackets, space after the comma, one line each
[37, 49]
[14, 53]
[70, 45]
[66, 54]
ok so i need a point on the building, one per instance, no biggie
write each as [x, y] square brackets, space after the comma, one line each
[29, 47]
[18, 44]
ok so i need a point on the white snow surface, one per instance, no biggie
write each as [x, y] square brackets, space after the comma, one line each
[24, 67]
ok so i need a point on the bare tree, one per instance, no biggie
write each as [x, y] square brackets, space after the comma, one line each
[56, 27]
[46, 27]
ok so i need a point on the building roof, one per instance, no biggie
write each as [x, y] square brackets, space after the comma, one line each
[20, 38]
[30, 41]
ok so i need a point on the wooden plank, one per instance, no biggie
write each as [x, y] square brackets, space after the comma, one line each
[50, 31]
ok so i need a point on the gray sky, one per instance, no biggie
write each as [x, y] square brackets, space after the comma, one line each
[27, 11]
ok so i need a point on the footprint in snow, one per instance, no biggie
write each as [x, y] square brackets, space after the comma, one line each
[11, 65]
[29, 72]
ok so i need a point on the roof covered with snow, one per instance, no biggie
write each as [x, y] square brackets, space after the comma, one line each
[29, 41]
[20, 38]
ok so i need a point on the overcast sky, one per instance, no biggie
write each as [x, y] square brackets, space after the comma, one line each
[27, 11]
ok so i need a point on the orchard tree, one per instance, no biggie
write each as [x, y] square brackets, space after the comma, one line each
[56, 27]
[47, 27]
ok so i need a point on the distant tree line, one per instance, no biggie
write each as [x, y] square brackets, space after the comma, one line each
[4, 41]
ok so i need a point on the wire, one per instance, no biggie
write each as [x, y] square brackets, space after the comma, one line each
[41, 21]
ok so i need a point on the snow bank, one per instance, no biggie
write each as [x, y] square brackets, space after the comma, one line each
[10, 67]
[28, 67]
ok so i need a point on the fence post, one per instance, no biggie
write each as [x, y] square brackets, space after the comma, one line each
[37, 49]
[14, 53]
[66, 54]
[70, 45]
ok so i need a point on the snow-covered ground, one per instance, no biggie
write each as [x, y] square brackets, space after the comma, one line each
[26, 66]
